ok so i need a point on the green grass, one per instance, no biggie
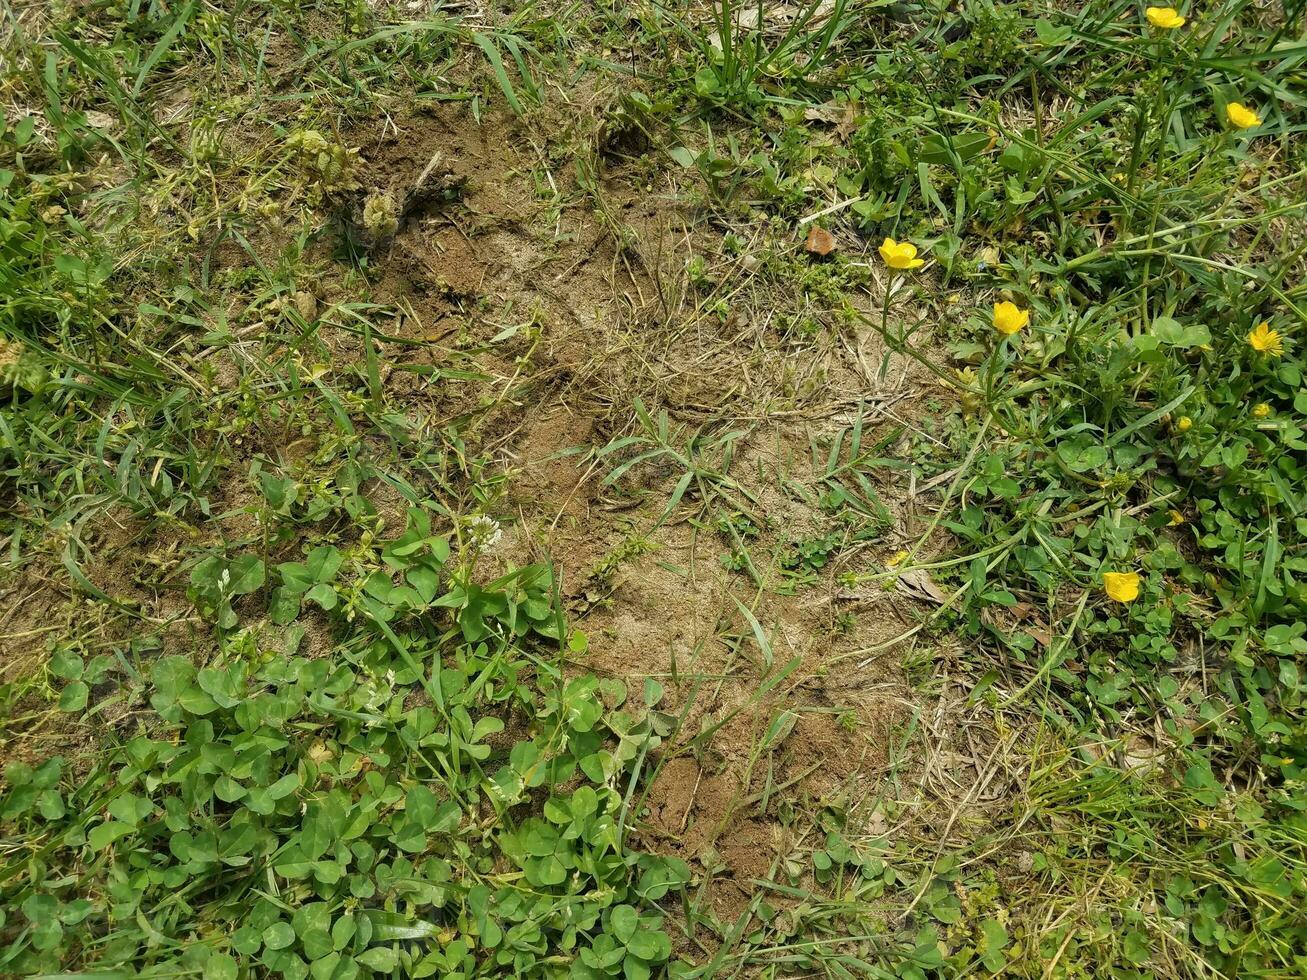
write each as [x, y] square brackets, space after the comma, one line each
[314, 724]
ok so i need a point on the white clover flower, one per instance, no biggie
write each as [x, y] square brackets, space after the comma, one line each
[485, 532]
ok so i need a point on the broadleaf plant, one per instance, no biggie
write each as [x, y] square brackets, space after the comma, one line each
[350, 816]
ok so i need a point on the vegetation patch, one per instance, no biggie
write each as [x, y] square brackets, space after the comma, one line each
[652, 489]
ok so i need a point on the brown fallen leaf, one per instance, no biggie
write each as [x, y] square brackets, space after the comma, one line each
[843, 117]
[917, 583]
[848, 123]
[820, 241]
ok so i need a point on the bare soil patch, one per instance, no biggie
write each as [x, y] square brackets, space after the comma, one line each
[530, 311]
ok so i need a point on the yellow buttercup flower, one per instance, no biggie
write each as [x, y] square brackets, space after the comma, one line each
[1264, 340]
[1184, 423]
[1009, 318]
[1121, 586]
[1167, 18]
[1176, 518]
[897, 559]
[1261, 410]
[900, 255]
[1241, 116]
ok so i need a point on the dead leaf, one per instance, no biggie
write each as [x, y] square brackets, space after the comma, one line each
[820, 241]
[101, 120]
[1143, 755]
[827, 113]
[917, 583]
[843, 117]
[848, 122]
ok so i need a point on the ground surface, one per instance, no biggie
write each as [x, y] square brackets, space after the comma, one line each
[480, 498]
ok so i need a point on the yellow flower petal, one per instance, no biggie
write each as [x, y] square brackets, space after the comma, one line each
[1184, 423]
[1166, 18]
[1241, 116]
[900, 255]
[1121, 586]
[1264, 340]
[1261, 410]
[1009, 318]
